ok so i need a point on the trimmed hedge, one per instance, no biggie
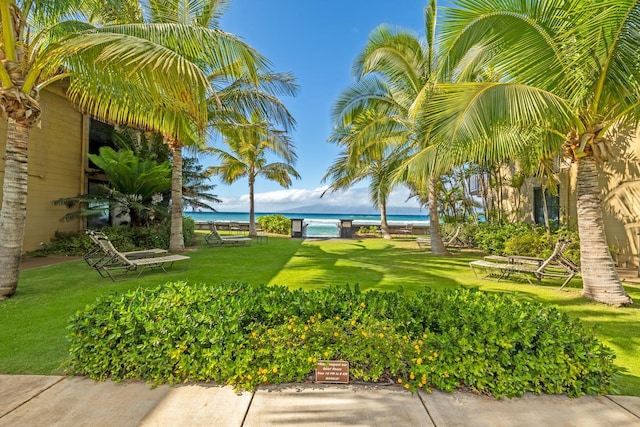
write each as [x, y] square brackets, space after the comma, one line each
[275, 223]
[244, 336]
[125, 238]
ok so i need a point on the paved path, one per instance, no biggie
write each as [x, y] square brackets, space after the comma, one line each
[31, 400]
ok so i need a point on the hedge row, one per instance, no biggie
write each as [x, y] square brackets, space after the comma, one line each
[246, 335]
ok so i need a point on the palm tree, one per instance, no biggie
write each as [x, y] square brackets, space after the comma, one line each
[230, 59]
[573, 73]
[378, 166]
[250, 141]
[196, 192]
[142, 75]
[396, 74]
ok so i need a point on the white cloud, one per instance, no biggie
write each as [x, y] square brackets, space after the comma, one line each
[351, 200]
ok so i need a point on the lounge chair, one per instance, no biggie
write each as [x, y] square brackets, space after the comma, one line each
[117, 264]
[402, 231]
[557, 265]
[453, 240]
[215, 239]
[423, 242]
[97, 254]
[234, 227]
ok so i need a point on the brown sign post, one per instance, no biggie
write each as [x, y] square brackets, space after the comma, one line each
[332, 371]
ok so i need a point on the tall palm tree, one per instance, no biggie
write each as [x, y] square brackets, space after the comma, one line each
[139, 74]
[243, 62]
[250, 142]
[573, 72]
[396, 74]
[375, 165]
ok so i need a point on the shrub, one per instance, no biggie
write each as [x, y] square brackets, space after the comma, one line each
[124, 238]
[276, 223]
[491, 238]
[245, 336]
[368, 230]
[535, 243]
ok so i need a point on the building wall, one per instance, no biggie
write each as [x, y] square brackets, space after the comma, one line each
[619, 181]
[56, 166]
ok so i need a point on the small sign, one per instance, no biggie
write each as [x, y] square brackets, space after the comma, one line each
[332, 371]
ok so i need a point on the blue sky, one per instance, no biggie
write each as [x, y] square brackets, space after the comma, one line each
[317, 41]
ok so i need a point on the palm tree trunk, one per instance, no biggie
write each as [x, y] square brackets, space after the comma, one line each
[176, 238]
[384, 224]
[13, 214]
[600, 279]
[252, 209]
[437, 245]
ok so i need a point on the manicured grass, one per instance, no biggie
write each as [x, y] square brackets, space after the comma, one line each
[34, 321]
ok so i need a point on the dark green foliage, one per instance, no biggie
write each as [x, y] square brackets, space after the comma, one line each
[124, 238]
[133, 183]
[242, 335]
[276, 223]
[519, 239]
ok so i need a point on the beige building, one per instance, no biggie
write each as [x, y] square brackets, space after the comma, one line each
[620, 184]
[57, 166]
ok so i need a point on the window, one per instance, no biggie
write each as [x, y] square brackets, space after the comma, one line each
[99, 136]
[553, 206]
[103, 220]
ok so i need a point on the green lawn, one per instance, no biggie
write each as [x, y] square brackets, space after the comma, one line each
[33, 333]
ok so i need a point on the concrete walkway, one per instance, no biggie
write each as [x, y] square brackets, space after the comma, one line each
[28, 400]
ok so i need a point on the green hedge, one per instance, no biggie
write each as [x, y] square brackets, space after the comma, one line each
[125, 238]
[275, 223]
[244, 336]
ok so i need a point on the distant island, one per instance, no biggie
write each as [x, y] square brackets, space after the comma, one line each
[354, 210]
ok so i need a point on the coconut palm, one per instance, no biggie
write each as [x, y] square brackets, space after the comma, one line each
[250, 142]
[572, 71]
[140, 74]
[203, 14]
[376, 165]
[396, 73]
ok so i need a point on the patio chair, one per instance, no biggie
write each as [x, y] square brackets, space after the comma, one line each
[234, 227]
[557, 265]
[453, 240]
[402, 231]
[423, 242]
[215, 239]
[117, 264]
[97, 254]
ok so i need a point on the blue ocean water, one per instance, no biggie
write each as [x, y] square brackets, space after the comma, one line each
[315, 225]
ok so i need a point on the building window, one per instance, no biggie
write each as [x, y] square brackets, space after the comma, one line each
[99, 136]
[553, 206]
[104, 219]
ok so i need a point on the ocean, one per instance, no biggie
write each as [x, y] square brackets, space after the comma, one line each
[315, 225]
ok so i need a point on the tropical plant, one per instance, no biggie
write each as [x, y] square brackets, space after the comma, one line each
[139, 74]
[570, 72]
[229, 58]
[377, 164]
[250, 141]
[396, 73]
[196, 193]
[131, 192]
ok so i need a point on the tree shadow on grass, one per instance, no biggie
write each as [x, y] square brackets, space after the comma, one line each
[376, 265]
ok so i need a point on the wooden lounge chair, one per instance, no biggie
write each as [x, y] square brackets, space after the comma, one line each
[117, 264]
[423, 242]
[453, 240]
[557, 265]
[97, 254]
[215, 239]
